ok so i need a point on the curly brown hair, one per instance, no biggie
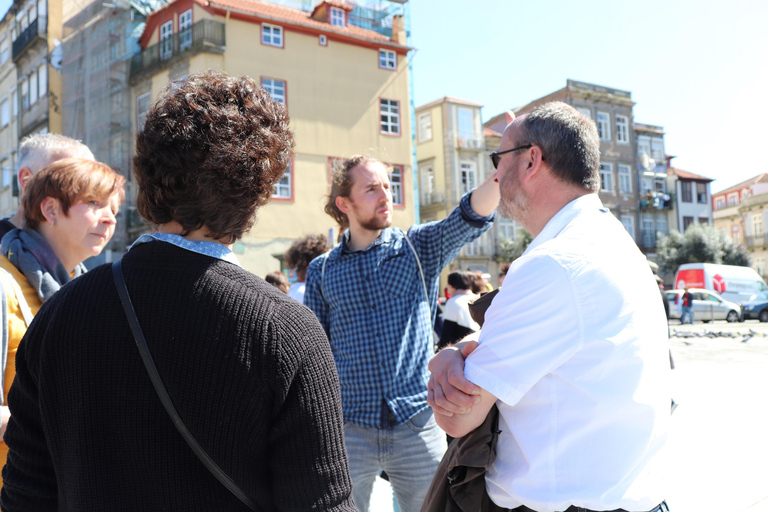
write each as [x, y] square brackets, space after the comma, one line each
[303, 251]
[211, 151]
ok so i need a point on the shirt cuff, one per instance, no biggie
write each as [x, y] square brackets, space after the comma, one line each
[470, 217]
[497, 387]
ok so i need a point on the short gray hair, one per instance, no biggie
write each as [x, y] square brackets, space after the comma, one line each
[38, 150]
[568, 141]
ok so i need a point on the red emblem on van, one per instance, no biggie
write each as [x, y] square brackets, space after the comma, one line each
[718, 283]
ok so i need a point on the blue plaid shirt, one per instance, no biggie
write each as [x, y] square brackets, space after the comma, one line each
[374, 311]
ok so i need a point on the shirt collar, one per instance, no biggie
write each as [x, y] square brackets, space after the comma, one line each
[384, 237]
[212, 249]
[566, 214]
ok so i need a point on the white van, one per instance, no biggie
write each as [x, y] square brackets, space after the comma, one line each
[736, 284]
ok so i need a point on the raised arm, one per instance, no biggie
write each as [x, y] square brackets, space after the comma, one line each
[485, 198]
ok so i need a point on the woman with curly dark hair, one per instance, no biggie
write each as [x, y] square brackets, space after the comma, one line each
[249, 371]
[299, 256]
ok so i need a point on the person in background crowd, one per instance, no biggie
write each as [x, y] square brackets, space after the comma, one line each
[35, 152]
[572, 354]
[478, 284]
[503, 273]
[299, 256]
[687, 307]
[69, 213]
[279, 281]
[249, 370]
[375, 294]
[457, 322]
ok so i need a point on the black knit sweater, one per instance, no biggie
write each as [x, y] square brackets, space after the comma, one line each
[249, 370]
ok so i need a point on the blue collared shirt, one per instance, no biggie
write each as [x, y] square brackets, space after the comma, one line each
[212, 249]
[374, 310]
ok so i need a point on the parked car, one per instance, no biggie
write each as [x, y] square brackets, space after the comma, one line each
[707, 306]
[756, 307]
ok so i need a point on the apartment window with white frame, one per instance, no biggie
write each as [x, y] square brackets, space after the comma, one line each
[622, 129]
[166, 40]
[466, 123]
[25, 94]
[643, 146]
[661, 224]
[271, 35]
[606, 178]
[14, 104]
[387, 59]
[733, 199]
[425, 127]
[396, 185]
[185, 30]
[42, 80]
[427, 185]
[7, 172]
[649, 234]
[5, 50]
[468, 176]
[701, 193]
[33, 91]
[143, 104]
[585, 111]
[657, 151]
[32, 13]
[629, 224]
[506, 228]
[283, 187]
[389, 112]
[337, 17]
[5, 112]
[275, 88]
[757, 224]
[719, 203]
[475, 247]
[604, 125]
[625, 178]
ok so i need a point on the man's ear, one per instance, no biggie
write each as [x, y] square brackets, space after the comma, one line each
[342, 204]
[23, 177]
[50, 209]
[535, 161]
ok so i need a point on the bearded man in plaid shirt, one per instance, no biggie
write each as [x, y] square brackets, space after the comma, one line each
[375, 294]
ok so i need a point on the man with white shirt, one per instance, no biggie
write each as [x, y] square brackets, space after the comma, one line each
[573, 350]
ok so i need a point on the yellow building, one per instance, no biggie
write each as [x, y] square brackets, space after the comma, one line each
[9, 111]
[346, 89]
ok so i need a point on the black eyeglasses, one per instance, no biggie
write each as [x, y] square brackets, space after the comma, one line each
[496, 155]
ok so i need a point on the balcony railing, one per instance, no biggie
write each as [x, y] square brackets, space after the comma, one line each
[757, 240]
[432, 198]
[657, 201]
[471, 143]
[35, 29]
[203, 35]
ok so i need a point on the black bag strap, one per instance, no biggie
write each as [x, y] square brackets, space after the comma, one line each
[162, 393]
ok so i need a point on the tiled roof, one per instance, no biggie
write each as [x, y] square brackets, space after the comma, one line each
[452, 100]
[744, 184]
[487, 132]
[688, 175]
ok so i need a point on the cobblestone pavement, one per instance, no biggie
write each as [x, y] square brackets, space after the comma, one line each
[718, 446]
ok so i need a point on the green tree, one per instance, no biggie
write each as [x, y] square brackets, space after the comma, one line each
[511, 249]
[701, 243]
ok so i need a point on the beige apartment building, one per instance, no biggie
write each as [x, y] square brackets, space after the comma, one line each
[9, 115]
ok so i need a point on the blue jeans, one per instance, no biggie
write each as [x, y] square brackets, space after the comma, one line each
[687, 312]
[409, 454]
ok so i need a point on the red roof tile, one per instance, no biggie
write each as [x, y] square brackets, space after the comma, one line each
[687, 175]
[744, 184]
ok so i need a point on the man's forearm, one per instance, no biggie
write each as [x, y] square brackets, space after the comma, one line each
[485, 198]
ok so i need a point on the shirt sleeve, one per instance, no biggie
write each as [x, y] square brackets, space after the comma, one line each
[531, 328]
[313, 295]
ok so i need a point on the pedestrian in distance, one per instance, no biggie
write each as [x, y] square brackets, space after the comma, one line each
[687, 307]
[279, 281]
[572, 353]
[375, 294]
[299, 256]
[249, 370]
[457, 322]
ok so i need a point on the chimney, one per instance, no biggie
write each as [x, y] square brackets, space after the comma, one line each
[398, 30]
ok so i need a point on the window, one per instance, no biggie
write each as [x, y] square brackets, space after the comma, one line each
[685, 188]
[5, 112]
[337, 17]
[468, 177]
[427, 185]
[733, 199]
[42, 80]
[185, 30]
[389, 111]
[757, 224]
[629, 224]
[323, 40]
[604, 125]
[271, 35]
[142, 109]
[466, 123]
[659, 185]
[24, 94]
[687, 221]
[606, 178]
[625, 178]
[283, 187]
[14, 104]
[275, 88]
[703, 220]
[657, 151]
[475, 247]
[7, 173]
[586, 111]
[701, 193]
[622, 129]
[22, 21]
[116, 152]
[166, 40]
[506, 228]
[719, 203]
[643, 147]
[32, 13]
[387, 59]
[33, 91]
[649, 234]
[4, 51]
[425, 127]
[396, 185]
[661, 224]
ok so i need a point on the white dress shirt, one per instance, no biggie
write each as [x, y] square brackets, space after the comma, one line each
[457, 310]
[296, 291]
[575, 349]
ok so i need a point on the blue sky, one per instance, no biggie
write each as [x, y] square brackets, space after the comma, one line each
[696, 67]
